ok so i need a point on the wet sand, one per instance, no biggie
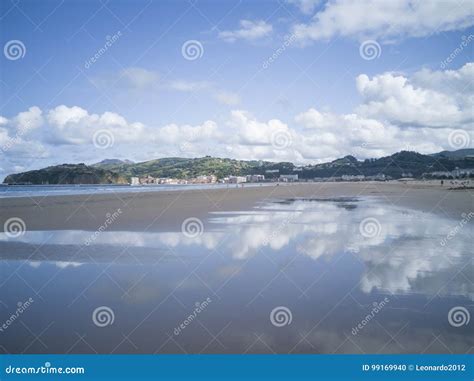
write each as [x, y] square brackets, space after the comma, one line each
[311, 258]
[165, 211]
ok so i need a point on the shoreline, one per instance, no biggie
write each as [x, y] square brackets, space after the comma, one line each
[87, 189]
[166, 210]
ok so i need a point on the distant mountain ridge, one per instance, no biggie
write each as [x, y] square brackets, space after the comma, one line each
[112, 162]
[115, 171]
[460, 153]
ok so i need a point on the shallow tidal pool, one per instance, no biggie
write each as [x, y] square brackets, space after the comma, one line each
[290, 276]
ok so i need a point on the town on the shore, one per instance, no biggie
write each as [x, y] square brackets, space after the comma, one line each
[210, 179]
[289, 178]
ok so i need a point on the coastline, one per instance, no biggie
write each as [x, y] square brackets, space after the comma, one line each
[166, 210]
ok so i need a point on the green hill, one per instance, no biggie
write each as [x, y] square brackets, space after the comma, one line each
[182, 168]
[66, 174]
[112, 171]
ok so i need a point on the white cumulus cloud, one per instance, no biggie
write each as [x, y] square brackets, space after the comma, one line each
[430, 99]
[386, 20]
[398, 112]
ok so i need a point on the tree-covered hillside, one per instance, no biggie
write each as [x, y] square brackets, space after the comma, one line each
[112, 171]
[67, 174]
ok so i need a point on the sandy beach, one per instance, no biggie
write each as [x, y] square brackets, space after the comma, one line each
[165, 211]
[322, 261]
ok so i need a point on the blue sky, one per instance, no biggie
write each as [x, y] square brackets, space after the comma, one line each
[320, 97]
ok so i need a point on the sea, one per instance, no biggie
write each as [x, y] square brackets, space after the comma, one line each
[63, 190]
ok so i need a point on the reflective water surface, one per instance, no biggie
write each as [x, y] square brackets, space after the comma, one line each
[291, 276]
[63, 190]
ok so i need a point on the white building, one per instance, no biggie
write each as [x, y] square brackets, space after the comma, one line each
[288, 178]
[255, 178]
[353, 177]
[205, 179]
[237, 179]
[454, 173]
[135, 181]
